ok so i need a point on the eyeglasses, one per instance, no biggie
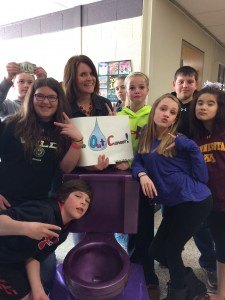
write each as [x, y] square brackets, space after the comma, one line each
[41, 97]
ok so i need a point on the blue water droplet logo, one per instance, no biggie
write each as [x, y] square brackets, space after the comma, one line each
[97, 140]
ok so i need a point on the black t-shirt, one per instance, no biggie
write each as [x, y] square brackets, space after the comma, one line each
[184, 122]
[22, 178]
[184, 125]
[15, 249]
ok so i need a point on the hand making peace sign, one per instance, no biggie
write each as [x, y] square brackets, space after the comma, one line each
[69, 129]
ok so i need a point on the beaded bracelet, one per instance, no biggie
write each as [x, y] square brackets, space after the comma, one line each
[76, 146]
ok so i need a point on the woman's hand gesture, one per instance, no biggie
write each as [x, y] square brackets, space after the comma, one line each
[111, 112]
[103, 162]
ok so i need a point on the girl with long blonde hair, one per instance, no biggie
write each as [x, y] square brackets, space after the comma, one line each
[172, 172]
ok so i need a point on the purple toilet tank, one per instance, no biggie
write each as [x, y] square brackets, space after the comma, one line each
[98, 267]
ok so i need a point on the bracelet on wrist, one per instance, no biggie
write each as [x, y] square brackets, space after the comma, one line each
[78, 141]
[144, 174]
[76, 146]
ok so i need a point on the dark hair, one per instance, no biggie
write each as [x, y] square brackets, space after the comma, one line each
[197, 127]
[27, 123]
[72, 186]
[186, 71]
[70, 73]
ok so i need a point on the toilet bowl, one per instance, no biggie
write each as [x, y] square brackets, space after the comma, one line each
[97, 268]
[100, 268]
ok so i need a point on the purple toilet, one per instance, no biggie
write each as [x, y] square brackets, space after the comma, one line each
[98, 267]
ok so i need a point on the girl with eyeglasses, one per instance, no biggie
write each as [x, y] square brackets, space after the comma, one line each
[34, 143]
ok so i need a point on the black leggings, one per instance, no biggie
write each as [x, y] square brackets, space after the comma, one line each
[139, 243]
[216, 221]
[179, 224]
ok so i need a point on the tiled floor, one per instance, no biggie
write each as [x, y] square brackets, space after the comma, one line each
[190, 257]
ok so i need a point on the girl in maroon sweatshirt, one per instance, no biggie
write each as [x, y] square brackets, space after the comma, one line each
[208, 126]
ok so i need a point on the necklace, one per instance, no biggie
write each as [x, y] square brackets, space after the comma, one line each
[86, 111]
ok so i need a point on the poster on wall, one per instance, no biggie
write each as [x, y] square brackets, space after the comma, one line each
[103, 135]
[107, 72]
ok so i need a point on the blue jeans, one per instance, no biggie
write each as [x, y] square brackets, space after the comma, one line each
[205, 244]
[48, 272]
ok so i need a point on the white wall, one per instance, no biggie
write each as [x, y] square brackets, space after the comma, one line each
[155, 49]
[117, 40]
[51, 51]
[103, 42]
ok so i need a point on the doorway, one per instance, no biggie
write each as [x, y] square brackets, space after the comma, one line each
[194, 57]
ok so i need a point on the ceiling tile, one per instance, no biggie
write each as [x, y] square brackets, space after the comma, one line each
[209, 13]
[211, 19]
[201, 6]
[217, 30]
[222, 39]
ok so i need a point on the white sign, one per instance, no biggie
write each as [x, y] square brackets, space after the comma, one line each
[104, 135]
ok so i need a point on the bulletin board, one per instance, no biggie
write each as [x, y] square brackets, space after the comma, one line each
[107, 72]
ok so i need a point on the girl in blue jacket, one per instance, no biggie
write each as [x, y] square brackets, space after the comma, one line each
[172, 172]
